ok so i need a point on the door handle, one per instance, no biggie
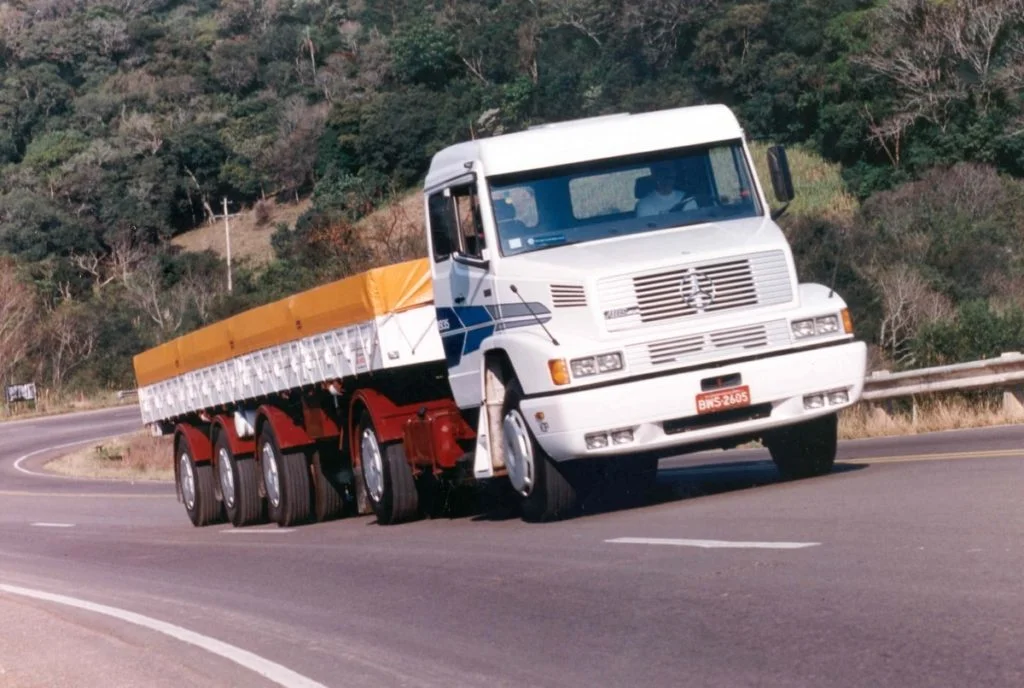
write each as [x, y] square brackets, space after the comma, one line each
[460, 299]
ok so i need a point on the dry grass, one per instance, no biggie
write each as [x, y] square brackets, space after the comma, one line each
[396, 231]
[818, 183]
[137, 456]
[249, 239]
[931, 415]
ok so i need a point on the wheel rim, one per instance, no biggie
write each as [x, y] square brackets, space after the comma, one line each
[519, 459]
[270, 477]
[227, 477]
[373, 464]
[187, 479]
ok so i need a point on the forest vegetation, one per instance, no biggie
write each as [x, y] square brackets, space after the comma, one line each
[125, 123]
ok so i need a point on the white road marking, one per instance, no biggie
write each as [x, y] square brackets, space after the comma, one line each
[256, 531]
[54, 525]
[20, 459]
[281, 675]
[712, 544]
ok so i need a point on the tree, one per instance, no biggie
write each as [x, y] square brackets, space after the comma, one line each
[17, 313]
[70, 337]
[938, 59]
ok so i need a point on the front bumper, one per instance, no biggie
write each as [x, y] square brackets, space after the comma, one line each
[777, 385]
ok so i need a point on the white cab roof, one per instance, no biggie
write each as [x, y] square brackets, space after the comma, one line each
[595, 138]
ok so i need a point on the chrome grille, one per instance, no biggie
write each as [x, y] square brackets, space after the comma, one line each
[687, 291]
[716, 344]
[760, 279]
[568, 296]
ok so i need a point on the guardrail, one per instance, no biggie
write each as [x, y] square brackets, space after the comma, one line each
[124, 393]
[1005, 372]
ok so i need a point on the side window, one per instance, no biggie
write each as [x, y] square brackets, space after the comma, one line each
[444, 228]
[471, 228]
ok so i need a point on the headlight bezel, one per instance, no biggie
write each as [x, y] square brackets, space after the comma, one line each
[598, 364]
[827, 325]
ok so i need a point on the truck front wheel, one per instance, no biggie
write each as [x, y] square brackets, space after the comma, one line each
[546, 492]
[388, 478]
[807, 449]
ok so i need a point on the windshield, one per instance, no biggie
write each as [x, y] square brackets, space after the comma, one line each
[605, 198]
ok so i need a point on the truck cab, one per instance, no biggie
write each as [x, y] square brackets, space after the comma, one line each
[617, 287]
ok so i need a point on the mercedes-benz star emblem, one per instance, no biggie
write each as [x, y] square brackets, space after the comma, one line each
[697, 290]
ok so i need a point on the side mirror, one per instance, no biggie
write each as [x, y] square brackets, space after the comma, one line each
[782, 181]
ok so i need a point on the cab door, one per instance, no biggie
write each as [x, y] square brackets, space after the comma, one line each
[463, 284]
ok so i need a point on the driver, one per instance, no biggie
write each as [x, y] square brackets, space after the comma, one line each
[665, 197]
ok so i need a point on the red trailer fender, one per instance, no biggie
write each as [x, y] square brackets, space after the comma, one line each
[198, 442]
[289, 434]
[239, 446]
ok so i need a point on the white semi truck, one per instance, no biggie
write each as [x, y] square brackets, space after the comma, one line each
[608, 290]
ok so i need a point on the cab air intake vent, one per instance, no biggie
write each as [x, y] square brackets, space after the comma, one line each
[568, 296]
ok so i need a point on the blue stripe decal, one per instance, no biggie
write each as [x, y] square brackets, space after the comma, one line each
[474, 338]
[473, 315]
[464, 328]
[453, 348]
[448, 320]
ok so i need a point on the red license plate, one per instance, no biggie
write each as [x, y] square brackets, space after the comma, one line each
[723, 399]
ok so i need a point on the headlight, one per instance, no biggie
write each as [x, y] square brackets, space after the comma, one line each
[582, 367]
[803, 328]
[817, 327]
[593, 365]
[827, 324]
[609, 363]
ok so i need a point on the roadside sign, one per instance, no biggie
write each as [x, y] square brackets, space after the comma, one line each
[26, 392]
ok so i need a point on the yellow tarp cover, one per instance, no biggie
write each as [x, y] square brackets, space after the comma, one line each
[352, 300]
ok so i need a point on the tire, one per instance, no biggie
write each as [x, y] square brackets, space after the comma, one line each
[388, 478]
[547, 494]
[198, 489]
[328, 494]
[806, 450]
[239, 479]
[285, 479]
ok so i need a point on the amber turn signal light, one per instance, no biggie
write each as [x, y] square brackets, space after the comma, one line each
[847, 321]
[559, 371]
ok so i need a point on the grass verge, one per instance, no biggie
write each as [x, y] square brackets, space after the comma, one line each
[930, 415]
[137, 456]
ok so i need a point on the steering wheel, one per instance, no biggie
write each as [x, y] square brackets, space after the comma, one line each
[681, 204]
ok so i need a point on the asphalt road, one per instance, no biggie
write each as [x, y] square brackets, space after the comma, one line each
[902, 568]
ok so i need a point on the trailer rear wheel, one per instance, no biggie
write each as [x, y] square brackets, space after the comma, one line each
[807, 449]
[198, 488]
[239, 485]
[329, 501]
[547, 493]
[285, 480]
[388, 478]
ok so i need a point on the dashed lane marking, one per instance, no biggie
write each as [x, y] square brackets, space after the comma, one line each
[711, 544]
[53, 525]
[256, 531]
[281, 675]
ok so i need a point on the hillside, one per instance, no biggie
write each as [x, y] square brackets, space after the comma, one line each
[250, 234]
[122, 125]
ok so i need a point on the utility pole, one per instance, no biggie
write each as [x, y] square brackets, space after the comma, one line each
[227, 240]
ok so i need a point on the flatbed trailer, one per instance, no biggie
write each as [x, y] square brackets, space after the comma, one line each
[280, 381]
